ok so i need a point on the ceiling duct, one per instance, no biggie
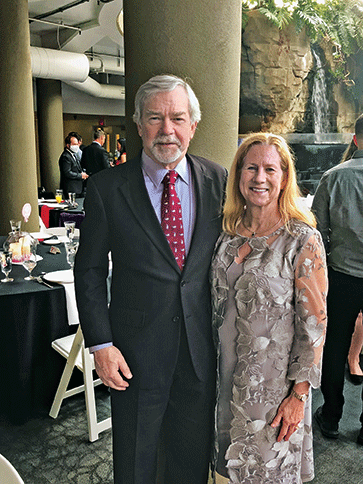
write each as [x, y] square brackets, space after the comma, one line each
[73, 69]
[94, 88]
[57, 64]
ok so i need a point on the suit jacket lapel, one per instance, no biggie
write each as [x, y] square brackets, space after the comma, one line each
[77, 163]
[202, 189]
[74, 160]
[135, 193]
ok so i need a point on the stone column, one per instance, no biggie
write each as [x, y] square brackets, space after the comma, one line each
[197, 40]
[50, 131]
[18, 175]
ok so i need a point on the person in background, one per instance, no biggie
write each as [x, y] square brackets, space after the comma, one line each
[269, 285]
[153, 345]
[78, 154]
[95, 157]
[355, 352]
[339, 212]
[121, 149]
[354, 355]
[71, 175]
[348, 153]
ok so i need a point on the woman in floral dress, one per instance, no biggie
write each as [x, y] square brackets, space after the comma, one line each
[269, 289]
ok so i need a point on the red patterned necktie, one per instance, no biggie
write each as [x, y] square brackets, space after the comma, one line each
[171, 218]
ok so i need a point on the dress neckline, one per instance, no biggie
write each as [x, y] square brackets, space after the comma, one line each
[255, 237]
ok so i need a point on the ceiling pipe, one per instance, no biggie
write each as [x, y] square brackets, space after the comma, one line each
[56, 24]
[93, 88]
[57, 64]
[73, 69]
[60, 9]
[108, 65]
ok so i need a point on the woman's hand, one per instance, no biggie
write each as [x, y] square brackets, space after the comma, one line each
[289, 415]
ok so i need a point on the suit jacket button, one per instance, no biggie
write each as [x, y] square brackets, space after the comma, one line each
[182, 283]
[175, 319]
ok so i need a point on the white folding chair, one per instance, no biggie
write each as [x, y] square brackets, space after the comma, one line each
[42, 226]
[8, 474]
[72, 348]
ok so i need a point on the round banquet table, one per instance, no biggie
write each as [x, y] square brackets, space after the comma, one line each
[32, 316]
[61, 211]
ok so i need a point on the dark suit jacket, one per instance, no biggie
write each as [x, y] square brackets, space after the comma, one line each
[71, 173]
[94, 158]
[150, 296]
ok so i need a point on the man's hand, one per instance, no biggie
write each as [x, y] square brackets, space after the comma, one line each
[84, 175]
[109, 365]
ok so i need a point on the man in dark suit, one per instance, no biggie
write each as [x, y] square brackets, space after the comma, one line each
[153, 345]
[72, 177]
[94, 156]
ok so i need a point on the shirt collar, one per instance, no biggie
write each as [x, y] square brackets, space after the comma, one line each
[156, 172]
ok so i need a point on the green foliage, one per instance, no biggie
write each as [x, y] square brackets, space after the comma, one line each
[337, 21]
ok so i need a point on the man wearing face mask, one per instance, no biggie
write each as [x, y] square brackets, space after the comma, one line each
[70, 168]
[78, 154]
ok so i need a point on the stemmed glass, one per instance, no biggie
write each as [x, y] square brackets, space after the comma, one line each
[30, 258]
[6, 258]
[71, 250]
[70, 228]
[29, 263]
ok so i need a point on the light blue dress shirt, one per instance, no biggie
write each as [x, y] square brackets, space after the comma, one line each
[154, 175]
[184, 186]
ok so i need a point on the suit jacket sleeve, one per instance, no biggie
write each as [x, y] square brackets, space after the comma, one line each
[91, 271]
[66, 167]
[106, 163]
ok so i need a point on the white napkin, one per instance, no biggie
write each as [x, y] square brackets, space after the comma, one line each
[72, 310]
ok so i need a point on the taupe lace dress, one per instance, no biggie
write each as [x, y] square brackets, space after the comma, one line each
[269, 319]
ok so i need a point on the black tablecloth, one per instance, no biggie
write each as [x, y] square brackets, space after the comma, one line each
[32, 316]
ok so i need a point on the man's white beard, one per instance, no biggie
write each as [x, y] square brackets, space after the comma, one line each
[166, 157]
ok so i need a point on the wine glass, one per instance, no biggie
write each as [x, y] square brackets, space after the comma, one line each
[70, 228]
[71, 250]
[29, 263]
[6, 258]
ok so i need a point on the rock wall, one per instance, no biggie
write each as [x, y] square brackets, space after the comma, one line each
[347, 110]
[276, 78]
[274, 72]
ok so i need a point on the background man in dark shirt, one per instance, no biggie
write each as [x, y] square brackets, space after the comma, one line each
[94, 156]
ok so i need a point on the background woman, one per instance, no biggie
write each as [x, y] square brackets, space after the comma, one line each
[269, 288]
[121, 149]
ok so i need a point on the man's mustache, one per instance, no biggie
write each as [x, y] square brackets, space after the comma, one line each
[166, 140]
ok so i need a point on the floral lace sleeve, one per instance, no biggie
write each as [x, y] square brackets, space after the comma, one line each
[310, 312]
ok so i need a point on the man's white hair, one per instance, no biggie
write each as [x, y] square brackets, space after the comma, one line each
[165, 83]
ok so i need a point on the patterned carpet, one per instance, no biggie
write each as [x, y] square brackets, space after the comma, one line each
[47, 451]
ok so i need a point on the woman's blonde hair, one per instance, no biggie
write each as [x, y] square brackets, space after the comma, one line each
[289, 197]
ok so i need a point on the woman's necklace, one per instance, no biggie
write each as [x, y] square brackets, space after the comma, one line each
[253, 234]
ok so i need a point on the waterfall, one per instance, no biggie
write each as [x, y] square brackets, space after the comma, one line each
[320, 103]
